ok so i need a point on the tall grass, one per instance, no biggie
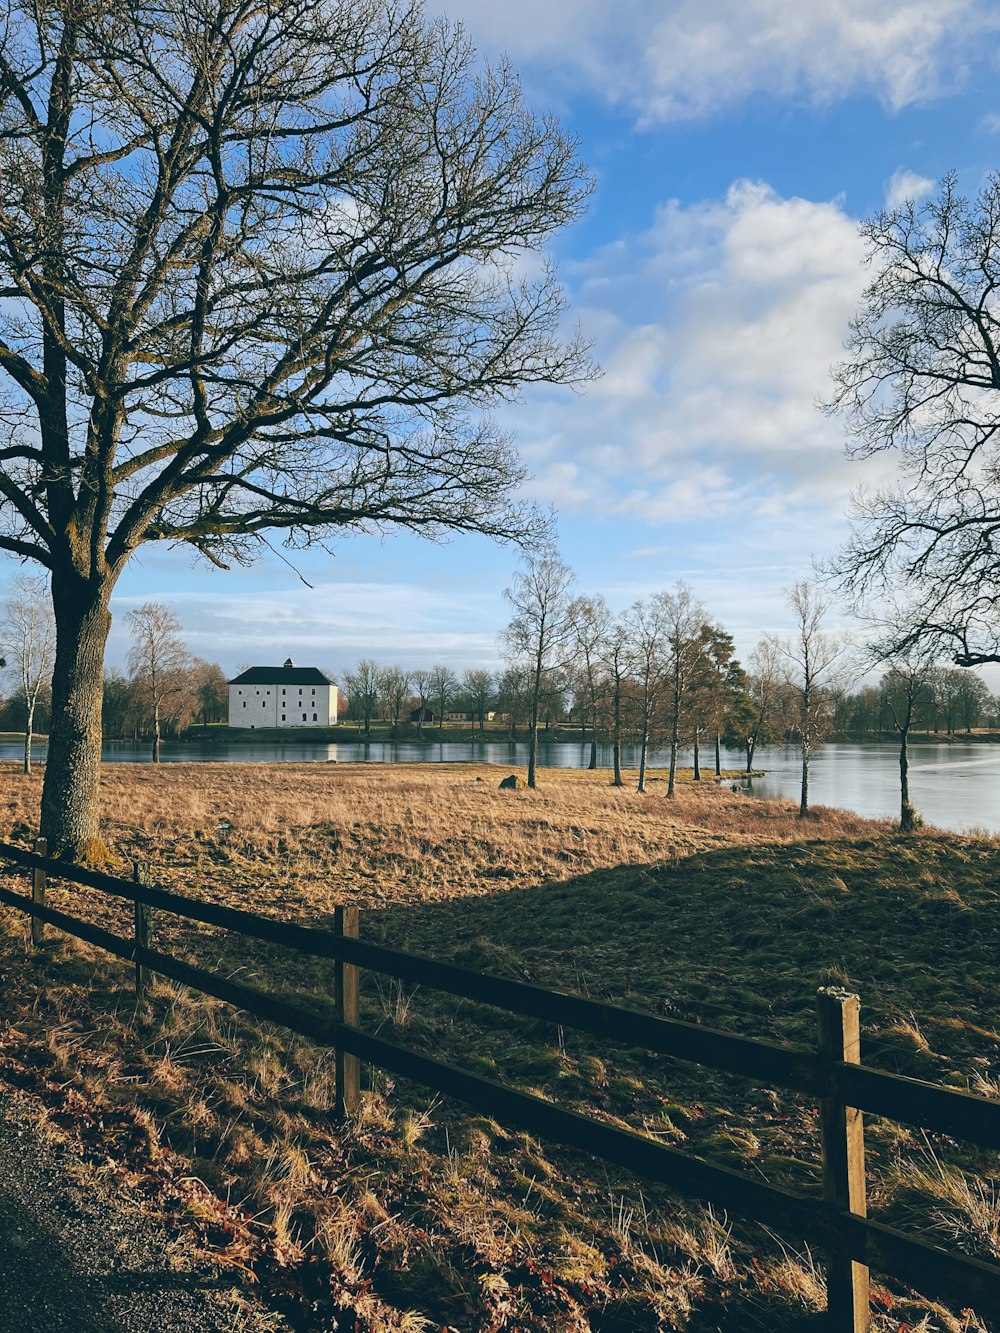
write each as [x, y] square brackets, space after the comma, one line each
[712, 906]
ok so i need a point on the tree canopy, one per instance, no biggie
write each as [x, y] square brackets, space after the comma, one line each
[922, 378]
[262, 271]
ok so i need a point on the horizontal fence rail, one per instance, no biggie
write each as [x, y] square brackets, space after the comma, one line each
[827, 1074]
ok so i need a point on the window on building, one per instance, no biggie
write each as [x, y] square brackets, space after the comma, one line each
[244, 703]
[263, 703]
[314, 717]
[282, 717]
[304, 718]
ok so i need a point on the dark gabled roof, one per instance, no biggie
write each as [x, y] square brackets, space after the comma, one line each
[282, 675]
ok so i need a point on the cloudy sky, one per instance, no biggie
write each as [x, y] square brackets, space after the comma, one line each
[735, 146]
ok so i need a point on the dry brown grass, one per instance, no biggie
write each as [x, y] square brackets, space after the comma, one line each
[712, 906]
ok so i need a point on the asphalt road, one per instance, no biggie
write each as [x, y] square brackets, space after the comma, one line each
[77, 1258]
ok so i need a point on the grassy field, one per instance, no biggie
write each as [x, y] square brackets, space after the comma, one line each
[713, 907]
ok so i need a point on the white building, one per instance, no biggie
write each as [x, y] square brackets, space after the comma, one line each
[285, 696]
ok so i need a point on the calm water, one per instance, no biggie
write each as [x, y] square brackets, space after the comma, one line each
[953, 786]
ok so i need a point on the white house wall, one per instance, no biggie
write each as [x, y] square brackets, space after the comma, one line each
[255, 706]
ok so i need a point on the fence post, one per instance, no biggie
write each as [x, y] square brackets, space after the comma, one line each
[348, 1067]
[843, 1147]
[143, 929]
[38, 881]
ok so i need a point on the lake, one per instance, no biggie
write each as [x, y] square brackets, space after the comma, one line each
[955, 786]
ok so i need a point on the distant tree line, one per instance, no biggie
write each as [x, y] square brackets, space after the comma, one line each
[950, 701]
[165, 689]
[661, 674]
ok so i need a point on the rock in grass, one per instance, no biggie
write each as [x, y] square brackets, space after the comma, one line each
[510, 784]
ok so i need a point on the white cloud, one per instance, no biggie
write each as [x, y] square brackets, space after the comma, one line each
[904, 185]
[331, 625]
[991, 122]
[687, 58]
[717, 329]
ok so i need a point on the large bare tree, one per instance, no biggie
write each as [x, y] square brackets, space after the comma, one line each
[259, 273]
[922, 379]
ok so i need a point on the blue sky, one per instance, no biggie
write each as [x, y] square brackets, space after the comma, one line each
[735, 145]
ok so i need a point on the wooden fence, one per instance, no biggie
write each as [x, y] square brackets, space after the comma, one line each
[830, 1072]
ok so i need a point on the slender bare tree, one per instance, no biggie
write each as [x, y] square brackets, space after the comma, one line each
[590, 618]
[394, 691]
[260, 274]
[683, 618]
[160, 664]
[363, 685]
[422, 681]
[814, 663]
[767, 696]
[480, 686]
[444, 687]
[540, 632]
[28, 635]
[907, 690]
[648, 665]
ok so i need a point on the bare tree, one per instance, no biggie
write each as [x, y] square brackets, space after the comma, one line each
[540, 632]
[422, 681]
[922, 378]
[812, 658]
[481, 689]
[766, 688]
[683, 618]
[29, 642]
[212, 691]
[590, 618]
[615, 674]
[363, 684]
[647, 658]
[513, 693]
[160, 664]
[973, 699]
[394, 691]
[259, 269]
[444, 686]
[907, 690]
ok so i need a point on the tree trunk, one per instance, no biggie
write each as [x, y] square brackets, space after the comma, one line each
[616, 747]
[156, 733]
[675, 728]
[533, 743]
[28, 728]
[697, 754]
[751, 747]
[593, 752]
[804, 795]
[69, 810]
[907, 820]
[718, 755]
[642, 755]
